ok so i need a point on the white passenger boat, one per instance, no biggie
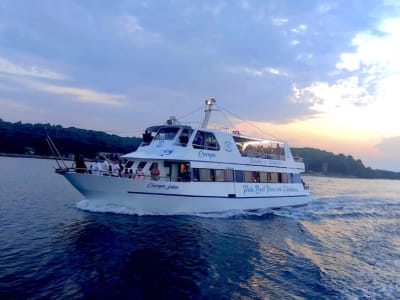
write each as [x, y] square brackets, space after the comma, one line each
[191, 170]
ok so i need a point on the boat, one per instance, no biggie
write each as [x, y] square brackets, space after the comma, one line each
[180, 168]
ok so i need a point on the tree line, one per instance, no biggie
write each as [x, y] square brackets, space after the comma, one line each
[327, 163]
[20, 138]
[25, 138]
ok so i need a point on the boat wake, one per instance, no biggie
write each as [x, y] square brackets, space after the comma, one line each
[95, 206]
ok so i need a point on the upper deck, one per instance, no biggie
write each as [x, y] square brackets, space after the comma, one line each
[173, 141]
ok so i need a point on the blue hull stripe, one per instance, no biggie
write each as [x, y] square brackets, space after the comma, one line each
[223, 197]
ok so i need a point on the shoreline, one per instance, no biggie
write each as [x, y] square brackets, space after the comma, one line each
[28, 156]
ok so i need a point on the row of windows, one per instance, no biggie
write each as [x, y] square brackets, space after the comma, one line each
[202, 139]
[230, 175]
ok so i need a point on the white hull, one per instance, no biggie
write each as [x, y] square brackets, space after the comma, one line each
[164, 197]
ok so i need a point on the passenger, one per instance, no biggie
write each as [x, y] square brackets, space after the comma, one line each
[121, 168]
[104, 167]
[278, 150]
[95, 167]
[139, 173]
[115, 169]
[183, 139]
[155, 172]
[186, 174]
[79, 164]
[147, 138]
[199, 139]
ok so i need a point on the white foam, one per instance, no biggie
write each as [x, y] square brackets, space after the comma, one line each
[96, 206]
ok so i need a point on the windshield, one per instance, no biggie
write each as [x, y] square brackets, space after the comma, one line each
[166, 133]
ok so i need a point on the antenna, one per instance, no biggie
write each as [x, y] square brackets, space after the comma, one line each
[209, 106]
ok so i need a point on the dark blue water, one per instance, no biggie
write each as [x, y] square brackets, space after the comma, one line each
[344, 245]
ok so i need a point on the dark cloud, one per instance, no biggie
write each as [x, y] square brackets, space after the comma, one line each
[161, 51]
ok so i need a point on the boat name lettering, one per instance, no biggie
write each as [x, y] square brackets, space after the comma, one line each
[205, 154]
[162, 186]
[265, 188]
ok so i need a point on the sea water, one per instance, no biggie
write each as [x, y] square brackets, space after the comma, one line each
[344, 245]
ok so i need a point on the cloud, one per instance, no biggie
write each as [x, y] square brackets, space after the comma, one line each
[323, 96]
[129, 26]
[302, 28]
[7, 67]
[326, 7]
[82, 95]
[374, 52]
[215, 9]
[279, 21]
[259, 72]
[369, 73]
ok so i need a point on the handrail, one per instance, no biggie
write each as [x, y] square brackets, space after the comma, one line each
[263, 155]
[108, 173]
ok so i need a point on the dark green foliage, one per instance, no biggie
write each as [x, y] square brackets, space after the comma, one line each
[17, 138]
[326, 163]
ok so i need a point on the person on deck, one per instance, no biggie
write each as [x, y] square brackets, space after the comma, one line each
[79, 164]
[155, 172]
[139, 173]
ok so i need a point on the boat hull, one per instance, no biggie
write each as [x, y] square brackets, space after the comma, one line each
[164, 197]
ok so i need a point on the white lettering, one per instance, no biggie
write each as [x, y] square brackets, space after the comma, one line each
[206, 154]
[266, 189]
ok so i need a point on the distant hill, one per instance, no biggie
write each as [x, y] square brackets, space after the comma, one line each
[20, 138]
[321, 162]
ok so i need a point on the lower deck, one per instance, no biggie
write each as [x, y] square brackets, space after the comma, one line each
[185, 171]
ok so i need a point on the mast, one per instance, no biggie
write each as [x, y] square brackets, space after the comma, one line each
[209, 106]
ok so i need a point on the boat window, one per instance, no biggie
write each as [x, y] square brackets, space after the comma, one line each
[184, 172]
[296, 178]
[207, 175]
[196, 174]
[129, 164]
[256, 176]
[184, 137]
[166, 133]
[273, 177]
[142, 164]
[284, 177]
[220, 175]
[229, 175]
[248, 176]
[261, 149]
[205, 140]
[239, 176]
[263, 177]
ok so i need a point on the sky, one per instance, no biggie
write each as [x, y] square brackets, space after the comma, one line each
[322, 74]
